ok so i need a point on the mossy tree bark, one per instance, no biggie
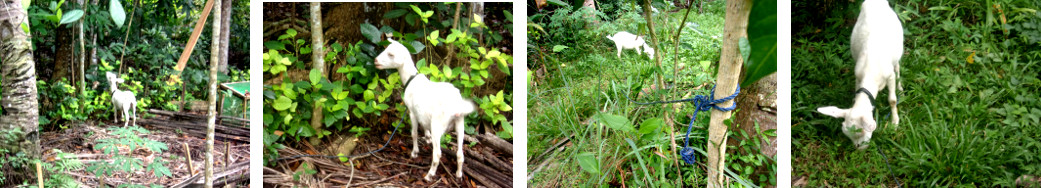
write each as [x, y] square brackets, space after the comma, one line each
[20, 117]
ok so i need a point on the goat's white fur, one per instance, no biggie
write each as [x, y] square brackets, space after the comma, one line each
[434, 105]
[877, 45]
[122, 101]
[626, 40]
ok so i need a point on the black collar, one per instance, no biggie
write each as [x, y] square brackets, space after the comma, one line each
[414, 76]
[869, 96]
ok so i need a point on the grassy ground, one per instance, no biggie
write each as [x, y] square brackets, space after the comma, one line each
[575, 87]
[969, 112]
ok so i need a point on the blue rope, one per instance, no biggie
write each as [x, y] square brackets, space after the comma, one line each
[701, 103]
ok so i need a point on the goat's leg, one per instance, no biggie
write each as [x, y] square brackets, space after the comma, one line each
[126, 119]
[415, 134]
[435, 160]
[459, 152]
[115, 111]
[892, 100]
[896, 67]
[134, 114]
[619, 47]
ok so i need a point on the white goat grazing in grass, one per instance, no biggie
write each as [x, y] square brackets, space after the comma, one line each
[877, 44]
[626, 40]
[121, 100]
[435, 105]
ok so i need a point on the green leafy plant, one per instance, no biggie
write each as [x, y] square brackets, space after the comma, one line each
[59, 168]
[128, 137]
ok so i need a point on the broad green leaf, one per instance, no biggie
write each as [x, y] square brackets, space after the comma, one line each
[274, 45]
[448, 72]
[282, 103]
[370, 32]
[559, 48]
[588, 162]
[417, 46]
[315, 76]
[615, 122]
[745, 48]
[762, 36]
[395, 13]
[115, 9]
[369, 95]
[433, 37]
[650, 125]
[71, 16]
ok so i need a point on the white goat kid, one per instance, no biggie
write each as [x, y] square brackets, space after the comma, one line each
[877, 44]
[626, 40]
[121, 100]
[434, 105]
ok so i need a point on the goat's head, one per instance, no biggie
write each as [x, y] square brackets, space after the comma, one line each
[647, 49]
[113, 79]
[858, 125]
[394, 56]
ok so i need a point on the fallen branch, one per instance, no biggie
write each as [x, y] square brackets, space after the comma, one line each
[496, 143]
[196, 180]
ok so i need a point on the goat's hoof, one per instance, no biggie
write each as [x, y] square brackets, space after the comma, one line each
[458, 174]
[428, 177]
[414, 154]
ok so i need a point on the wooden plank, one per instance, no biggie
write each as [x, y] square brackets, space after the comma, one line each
[181, 62]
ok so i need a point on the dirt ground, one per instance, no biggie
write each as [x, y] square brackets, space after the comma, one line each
[80, 140]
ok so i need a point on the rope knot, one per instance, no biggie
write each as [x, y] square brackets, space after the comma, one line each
[703, 103]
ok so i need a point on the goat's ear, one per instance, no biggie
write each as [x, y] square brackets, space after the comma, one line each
[833, 111]
[869, 123]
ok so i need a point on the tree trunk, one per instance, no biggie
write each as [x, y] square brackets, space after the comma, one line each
[730, 63]
[225, 32]
[758, 104]
[477, 8]
[212, 119]
[63, 55]
[20, 117]
[318, 62]
[83, 57]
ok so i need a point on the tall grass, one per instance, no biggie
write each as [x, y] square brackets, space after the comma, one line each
[969, 110]
[582, 83]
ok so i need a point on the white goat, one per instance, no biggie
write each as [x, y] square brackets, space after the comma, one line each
[626, 40]
[121, 100]
[877, 44]
[435, 105]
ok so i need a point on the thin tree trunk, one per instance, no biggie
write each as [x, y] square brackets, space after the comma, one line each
[736, 22]
[20, 117]
[318, 62]
[83, 56]
[225, 32]
[212, 119]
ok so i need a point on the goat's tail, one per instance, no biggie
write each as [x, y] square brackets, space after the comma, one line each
[465, 106]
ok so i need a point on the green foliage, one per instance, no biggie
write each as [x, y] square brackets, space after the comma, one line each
[150, 54]
[616, 122]
[593, 111]
[128, 138]
[13, 159]
[967, 111]
[749, 154]
[366, 93]
[762, 37]
[59, 170]
[588, 162]
[115, 8]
